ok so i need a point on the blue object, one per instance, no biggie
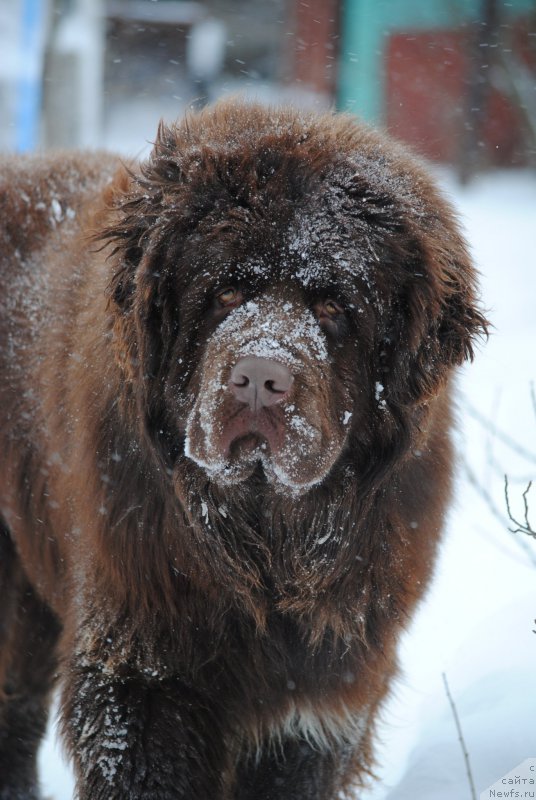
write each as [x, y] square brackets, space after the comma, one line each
[29, 89]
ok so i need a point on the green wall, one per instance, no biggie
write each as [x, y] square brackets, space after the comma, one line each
[366, 24]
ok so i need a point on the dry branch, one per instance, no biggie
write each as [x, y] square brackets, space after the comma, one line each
[461, 739]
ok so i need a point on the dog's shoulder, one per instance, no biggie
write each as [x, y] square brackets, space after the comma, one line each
[40, 194]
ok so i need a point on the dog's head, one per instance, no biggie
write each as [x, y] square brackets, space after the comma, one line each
[288, 293]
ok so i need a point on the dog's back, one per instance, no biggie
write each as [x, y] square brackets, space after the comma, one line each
[44, 203]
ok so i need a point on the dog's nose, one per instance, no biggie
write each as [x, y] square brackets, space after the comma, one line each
[260, 382]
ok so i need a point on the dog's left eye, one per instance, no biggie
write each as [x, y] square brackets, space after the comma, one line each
[328, 310]
[229, 297]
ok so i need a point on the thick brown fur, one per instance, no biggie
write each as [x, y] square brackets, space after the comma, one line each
[222, 604]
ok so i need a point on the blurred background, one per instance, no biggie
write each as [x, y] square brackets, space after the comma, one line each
[453, 78]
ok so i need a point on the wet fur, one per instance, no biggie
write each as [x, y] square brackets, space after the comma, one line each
[202, 654]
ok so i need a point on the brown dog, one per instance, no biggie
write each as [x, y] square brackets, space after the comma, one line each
[225, 453]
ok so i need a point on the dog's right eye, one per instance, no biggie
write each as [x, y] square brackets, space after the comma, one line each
[229, 298]
[332, 309]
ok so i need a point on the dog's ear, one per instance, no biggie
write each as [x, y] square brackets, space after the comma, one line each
[133, 226]
[120, 228]
[436, 319]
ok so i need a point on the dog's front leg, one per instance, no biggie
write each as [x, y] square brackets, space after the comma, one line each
[141, 739]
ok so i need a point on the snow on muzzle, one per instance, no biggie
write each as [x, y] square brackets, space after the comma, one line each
[264, 397]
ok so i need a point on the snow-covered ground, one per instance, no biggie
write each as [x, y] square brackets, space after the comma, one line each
[476, 624]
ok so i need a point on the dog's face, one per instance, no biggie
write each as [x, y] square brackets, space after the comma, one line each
[286, 293]
[275, 386]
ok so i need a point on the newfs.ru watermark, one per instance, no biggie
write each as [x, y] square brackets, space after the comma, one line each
[520, 782]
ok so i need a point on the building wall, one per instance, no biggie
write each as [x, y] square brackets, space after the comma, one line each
[411, 65]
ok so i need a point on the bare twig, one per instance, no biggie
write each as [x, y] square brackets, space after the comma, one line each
[521, 527]
[497, 468]
[499, 515]
[503, 437]
[483, 492]
[461, 739]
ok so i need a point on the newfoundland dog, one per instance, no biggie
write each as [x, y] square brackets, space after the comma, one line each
[225, 455]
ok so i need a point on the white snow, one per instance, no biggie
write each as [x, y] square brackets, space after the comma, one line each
[378, 392]
[476, 624]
